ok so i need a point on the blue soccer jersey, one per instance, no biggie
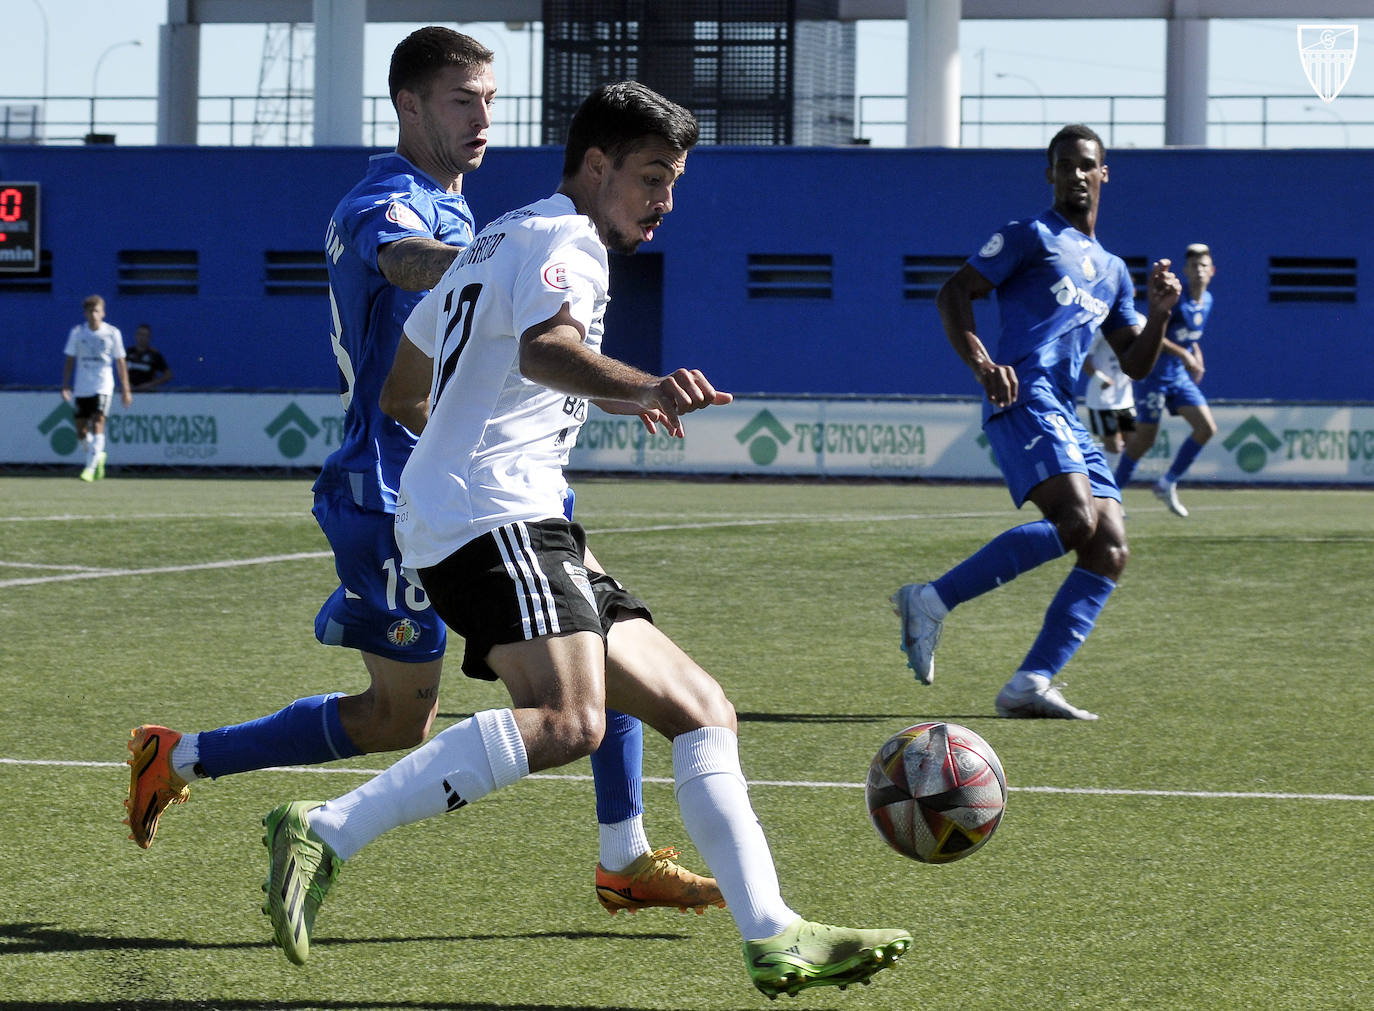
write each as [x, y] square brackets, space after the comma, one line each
[395, 200]
[1055, 286]
[1186, 324]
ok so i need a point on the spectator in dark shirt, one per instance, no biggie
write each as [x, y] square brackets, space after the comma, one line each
[147, 368]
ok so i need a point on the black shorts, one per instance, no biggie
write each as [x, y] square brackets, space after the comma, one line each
[1103, 423]
[85, 408]
[520, 582]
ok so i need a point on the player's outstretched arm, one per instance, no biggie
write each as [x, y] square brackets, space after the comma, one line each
[554, 354]
[955, 304]
[1137, 348]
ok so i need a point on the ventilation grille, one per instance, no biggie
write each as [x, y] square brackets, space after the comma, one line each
[1312, 278]
[1139, 268]
[791, 275]
[922, 276]
[291, 272]
[159, 272]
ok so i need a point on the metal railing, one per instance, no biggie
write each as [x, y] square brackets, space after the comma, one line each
[1235, 121]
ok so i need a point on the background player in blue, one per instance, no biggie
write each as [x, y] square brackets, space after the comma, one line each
[1172, 384]
[1055, 284]
[390, 239]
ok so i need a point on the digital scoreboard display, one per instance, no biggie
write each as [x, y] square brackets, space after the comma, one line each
[19, 245]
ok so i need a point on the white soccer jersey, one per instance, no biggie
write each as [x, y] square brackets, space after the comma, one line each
[95, 352]
[1116, 397]
[495, 444]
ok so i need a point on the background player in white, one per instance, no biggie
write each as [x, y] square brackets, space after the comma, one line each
[1109, 399]
[514, 330]
[1173, 385]
[1055, 285]
[389, 239]
[95, 350]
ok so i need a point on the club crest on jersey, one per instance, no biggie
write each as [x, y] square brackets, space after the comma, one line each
[578, 575]
[1197, 320]
[1089, 271]
[556, 276]
[403, 633]
[993, 246]
[404, 216]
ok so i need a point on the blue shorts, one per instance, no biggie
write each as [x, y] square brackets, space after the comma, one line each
[379, 607]
[1151, 399]
[1036, 441]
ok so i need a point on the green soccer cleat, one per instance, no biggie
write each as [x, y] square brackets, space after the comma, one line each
[99, 466]
[303, 868]
[810, 954]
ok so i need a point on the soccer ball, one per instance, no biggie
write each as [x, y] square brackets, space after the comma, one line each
[936, 792]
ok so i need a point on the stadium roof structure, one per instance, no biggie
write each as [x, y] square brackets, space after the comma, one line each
[932, 49]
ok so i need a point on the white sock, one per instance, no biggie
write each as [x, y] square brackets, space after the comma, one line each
[1025, 681]
[622, 843]
[99, 443]
[185, 757]
[89, 445]
[934, 606]
[714, 798]
[463, 764]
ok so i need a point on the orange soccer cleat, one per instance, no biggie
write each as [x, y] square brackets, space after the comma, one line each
[656, 879]
[153, 784]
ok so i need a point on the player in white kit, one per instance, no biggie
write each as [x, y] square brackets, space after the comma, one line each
[514, 331]
[95, 352]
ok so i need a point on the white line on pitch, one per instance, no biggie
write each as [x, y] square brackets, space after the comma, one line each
[325, 770]
[158, 570]
[296, 514]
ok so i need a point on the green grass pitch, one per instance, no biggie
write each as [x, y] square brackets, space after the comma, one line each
[1205, 845]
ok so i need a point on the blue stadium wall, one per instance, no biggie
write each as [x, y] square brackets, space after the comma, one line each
[715, 288]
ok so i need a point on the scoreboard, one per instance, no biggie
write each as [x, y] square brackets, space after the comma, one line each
[19, 246]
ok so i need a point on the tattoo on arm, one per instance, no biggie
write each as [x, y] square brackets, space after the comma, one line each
[416, 264]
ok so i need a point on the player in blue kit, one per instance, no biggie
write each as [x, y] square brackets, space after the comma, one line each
[389, 240]
[1173, 384]
[1055, 285]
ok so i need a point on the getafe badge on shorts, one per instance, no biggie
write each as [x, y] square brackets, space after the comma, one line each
[1328, 56]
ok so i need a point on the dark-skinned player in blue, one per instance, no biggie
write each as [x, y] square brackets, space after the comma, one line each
[1055, 285]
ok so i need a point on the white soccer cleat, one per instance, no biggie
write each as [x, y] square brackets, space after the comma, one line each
[920, 631]
[1167, 492]
[1033, 697]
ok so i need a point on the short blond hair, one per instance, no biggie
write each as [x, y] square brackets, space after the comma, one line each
[1196, 249]
[92, 302]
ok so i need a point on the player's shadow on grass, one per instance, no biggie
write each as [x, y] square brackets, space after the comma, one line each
[42, 938]
[906, 719]
[805, 717]
[154, 1004]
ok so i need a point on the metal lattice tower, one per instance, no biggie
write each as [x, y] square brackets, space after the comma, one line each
[282, 110]
[765, 72]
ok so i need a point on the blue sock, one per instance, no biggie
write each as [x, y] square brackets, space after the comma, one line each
[1187, 453]
[1071, 616]
[1124, 470]
[307, 732]
[999, 561]
[616, 769]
